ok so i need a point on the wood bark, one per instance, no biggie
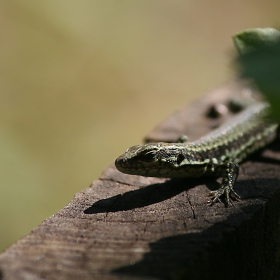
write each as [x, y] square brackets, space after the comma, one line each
[132, 227]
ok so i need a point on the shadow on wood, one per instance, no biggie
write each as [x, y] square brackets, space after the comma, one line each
[230, 250]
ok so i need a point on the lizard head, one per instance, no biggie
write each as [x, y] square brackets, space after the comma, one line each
[153, 159]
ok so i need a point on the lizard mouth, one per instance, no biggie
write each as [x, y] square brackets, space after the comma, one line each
[126, 166]
[131, 167]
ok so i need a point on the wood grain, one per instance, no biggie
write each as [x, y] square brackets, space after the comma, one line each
[131, 227]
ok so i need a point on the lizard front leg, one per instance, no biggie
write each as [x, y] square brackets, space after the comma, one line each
[229, 172]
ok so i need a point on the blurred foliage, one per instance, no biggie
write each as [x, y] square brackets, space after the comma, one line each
[255, 38]
[260, 61]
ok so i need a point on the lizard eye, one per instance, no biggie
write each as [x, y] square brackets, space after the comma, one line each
[147, 156]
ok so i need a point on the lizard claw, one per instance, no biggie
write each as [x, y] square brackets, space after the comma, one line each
[224, 190]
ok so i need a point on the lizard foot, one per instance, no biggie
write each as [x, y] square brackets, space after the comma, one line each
[224, 190]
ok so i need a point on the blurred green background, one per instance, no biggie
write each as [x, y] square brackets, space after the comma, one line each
[81, 81]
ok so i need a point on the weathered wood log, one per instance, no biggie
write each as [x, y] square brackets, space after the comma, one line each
[131, 227]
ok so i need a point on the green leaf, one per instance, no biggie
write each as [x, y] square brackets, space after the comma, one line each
[255, 38]
[260, 60]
